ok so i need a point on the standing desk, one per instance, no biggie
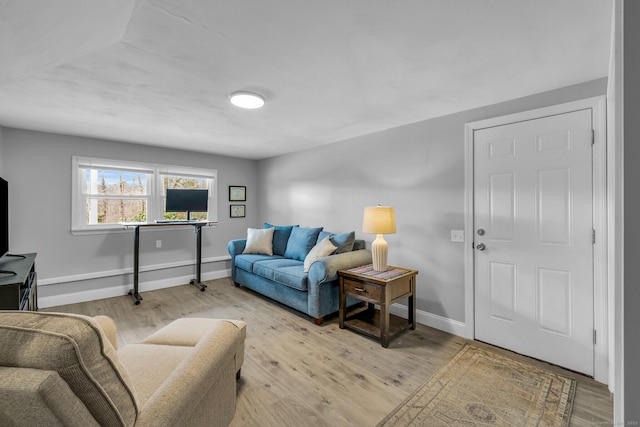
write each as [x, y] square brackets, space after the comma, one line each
[197, 228]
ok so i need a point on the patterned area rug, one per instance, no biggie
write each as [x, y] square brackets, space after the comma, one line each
[481, 387]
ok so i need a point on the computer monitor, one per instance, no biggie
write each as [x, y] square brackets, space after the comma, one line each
[187, 200]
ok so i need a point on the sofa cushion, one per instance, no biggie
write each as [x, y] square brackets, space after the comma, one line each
[259, 241]
[323, 235]
[74, 347]
[321, 250]
[292, 276]
[246, 261]
[301, 241]
[344, 241]
[359, 244]
[280, 237]
[267, 268]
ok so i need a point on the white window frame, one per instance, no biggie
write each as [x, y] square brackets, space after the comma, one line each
[155, 198]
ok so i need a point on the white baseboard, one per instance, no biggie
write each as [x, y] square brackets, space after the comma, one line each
[123, 271]
[433, 320]
[116, 291]
[424, 318]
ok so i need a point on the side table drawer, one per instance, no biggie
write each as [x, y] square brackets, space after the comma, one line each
[363, 290]
[400, 289]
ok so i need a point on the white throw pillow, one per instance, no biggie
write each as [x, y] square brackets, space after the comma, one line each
[321, 250]
[259, 241]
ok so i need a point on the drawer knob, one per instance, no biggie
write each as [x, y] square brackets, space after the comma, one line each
[361, 290]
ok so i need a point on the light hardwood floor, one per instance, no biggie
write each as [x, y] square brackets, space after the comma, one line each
[298, 374]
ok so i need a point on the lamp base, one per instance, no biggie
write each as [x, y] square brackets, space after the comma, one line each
[379, 251]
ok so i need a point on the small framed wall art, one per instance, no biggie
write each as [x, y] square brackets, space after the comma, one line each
[237, 211]
[237, 193]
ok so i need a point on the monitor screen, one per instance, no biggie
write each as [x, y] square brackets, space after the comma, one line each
[187, 200]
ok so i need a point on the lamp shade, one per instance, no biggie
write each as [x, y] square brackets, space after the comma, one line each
[379, 220]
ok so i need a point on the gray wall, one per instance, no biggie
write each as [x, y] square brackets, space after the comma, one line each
[418, 169]
[38, 168]
[631, 137]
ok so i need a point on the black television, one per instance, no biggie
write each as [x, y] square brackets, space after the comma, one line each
[187, 200]
[4, 217]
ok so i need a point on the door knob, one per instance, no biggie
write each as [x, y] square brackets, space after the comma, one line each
[481, 247]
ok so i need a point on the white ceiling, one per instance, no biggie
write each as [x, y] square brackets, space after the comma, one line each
[159, 72]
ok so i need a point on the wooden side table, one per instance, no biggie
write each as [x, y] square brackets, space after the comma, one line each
[382, 288]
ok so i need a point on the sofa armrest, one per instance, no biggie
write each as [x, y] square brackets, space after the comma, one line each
[326, 269]
[235, 247]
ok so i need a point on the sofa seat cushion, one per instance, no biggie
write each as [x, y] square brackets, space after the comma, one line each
[246, 261]
[150, 365]
[293, 277]
[75, 347]
[269, 268]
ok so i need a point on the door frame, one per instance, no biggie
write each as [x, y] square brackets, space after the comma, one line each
[601, 313]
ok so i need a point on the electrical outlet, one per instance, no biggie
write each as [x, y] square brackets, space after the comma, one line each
[457, 236]
[158, 244]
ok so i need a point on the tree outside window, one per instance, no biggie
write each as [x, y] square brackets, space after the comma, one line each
[115, 196]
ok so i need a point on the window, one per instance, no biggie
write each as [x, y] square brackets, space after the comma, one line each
[107, 192]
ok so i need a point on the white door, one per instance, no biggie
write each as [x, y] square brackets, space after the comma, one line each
[533, 225]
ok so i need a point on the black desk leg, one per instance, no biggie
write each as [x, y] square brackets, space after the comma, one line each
[197, 281]
[136, 266]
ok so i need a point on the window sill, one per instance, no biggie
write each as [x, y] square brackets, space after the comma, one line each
[106, 230]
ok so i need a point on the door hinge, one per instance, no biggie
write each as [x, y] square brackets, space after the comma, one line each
[593, 136]
[593, 236]
[594, 337]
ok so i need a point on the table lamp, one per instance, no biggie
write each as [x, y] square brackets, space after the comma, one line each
[379, 220]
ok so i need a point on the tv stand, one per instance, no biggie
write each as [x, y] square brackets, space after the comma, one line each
[197, 228]
[19, 291]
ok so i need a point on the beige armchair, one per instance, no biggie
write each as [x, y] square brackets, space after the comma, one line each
[67, 370]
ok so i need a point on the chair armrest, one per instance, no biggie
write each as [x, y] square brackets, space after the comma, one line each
[202, 388]
[39, 397]
[109, 328]
[326, 269]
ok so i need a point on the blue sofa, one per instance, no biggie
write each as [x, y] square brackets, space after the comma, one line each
[276, 268]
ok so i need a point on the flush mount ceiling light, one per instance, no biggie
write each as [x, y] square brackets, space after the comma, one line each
[248, 100]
